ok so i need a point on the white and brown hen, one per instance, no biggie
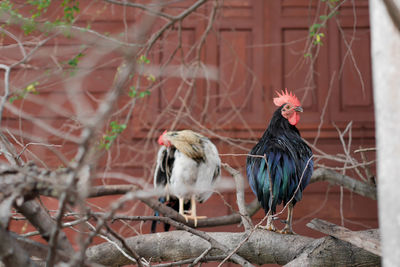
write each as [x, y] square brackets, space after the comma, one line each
[188, 165]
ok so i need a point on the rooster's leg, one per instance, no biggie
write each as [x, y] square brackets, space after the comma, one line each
[181, 211]
[270, 225]
[288, 225]
[167, 192]
[193, 212]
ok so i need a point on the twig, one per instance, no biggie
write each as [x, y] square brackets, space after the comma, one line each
[240, 196]
[199, 258]
[365, 149]
[181, 16]
[143, 7]
[122, 240]
[179, 263]
[36, 144]
[4, 98]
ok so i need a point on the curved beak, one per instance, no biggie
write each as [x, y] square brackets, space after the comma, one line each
[298, 109]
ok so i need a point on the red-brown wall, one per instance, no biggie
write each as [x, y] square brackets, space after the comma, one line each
[256, 47]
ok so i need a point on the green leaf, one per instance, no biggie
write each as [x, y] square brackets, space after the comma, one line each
[151, 78]
[143, 59]
[71, 8]
[315, 27]
[74, 61]
[107, 146]
[13, 98]
[28, 27]
[132, 92]
[144, 93]
[31, 88]
[109, 138]
[5, 5]
[318, 38]
[323, 17]
[41, 7]
[330, 15]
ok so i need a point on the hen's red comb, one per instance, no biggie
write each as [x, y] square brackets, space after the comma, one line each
[161, 138]
[286, 97]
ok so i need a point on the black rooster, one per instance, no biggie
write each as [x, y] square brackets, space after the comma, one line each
[281, 162]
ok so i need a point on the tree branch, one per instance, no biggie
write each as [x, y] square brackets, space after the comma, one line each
[99, 191]
[262, 248]
[240, 196]
[42, 221]
[347, 182]
[366, 239]
[11, 254]
[143, 7]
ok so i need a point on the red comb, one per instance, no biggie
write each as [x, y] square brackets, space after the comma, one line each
[161, 138]
[286, 97]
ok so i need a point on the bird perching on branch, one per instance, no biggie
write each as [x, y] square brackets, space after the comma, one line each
[188, 165]
[280, 165]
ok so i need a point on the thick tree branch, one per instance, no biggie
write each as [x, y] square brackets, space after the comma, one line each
[262, 248]
[38, 250]
[178, 225]
[368, 240]
[42, 221]
[11, 254]
[329, 251]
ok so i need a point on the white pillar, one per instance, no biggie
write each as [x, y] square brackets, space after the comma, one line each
[385, 39]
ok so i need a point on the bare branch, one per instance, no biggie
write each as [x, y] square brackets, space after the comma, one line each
[366, 239]
[263, 247]
[143, 7]
[240, 196]
[11, 254]
[42, 221]
[347, 182]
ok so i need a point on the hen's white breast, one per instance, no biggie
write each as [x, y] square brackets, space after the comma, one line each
[189, 177]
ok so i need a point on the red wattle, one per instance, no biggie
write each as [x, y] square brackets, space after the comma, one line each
[294, 119]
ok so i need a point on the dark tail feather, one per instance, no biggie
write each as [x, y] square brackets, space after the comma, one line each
[173, 203]
[154, 223]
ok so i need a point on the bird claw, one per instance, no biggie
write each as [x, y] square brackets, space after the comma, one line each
[186, 217]
[267, 228]
[286, 231]
[194, 218]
